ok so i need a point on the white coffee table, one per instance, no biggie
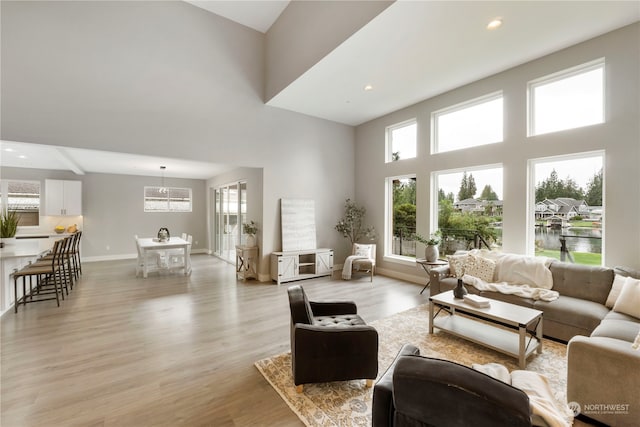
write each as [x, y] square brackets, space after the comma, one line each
[503, 327]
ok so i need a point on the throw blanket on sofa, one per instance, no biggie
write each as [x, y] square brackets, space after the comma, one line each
[545, 407]
[543, 404]
[525, 291]
[524, 270]
[348, 265]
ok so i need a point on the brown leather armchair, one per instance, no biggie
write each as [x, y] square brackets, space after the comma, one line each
[421, 391]
[330, 342]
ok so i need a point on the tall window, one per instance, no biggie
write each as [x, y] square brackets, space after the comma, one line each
[401, 141]
[569, 99]
[566, 218]
[167, 199]
[468, 207]
[22, 197]
[401, 216]
[472, 123]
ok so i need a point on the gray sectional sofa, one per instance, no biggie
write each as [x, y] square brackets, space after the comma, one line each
[603, 374]
[579, 309]
[603, 368]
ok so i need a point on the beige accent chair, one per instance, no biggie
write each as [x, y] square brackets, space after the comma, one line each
[364, 265]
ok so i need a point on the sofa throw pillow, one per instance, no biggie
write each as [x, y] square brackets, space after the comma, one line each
[629, 300]
[618, 283]
[480, 267]
[457, 264]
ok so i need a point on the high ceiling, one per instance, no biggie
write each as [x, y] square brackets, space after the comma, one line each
[259, 15]
[415, 50]
[411, 51]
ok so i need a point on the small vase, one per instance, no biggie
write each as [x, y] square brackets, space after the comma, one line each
[459, 291]
[431, 253]
[251, 240]
[7, 241]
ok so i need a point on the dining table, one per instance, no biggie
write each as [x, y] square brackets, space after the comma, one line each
[146, 244]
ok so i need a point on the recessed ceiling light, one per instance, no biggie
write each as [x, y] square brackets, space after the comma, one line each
[368, 88]
[9, 150]
[22, 156]
[495, 23]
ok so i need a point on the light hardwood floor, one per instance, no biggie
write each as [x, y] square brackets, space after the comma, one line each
[169, 350]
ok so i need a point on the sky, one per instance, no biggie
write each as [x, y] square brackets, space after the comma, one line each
[575, 100]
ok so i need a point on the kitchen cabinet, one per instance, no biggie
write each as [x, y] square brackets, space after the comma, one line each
[63, 197]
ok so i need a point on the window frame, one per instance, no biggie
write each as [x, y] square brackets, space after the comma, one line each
[169, 209]
[556, 77]
[389, 139]
[388, 221]
[4, 198]
[531, 195]
[435, 115]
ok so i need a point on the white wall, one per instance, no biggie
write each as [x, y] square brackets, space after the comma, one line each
[168, 79]
[306, 32]
[619, 137]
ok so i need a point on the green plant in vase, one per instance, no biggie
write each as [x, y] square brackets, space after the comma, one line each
[8, 224]
[250, 229]
[431, 252]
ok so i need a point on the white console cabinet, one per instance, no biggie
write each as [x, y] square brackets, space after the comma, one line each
[63, 197]
[298, 265]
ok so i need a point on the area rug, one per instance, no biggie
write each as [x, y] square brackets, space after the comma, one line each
[348, 403]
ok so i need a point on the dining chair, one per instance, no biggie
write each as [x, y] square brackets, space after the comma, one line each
[175, 257]
[148, 259]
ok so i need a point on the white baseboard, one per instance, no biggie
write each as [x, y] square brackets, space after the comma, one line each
[418, 279]
[109, 257]
[266, 277]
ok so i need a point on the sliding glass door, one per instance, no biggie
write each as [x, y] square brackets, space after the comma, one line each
[230, 214]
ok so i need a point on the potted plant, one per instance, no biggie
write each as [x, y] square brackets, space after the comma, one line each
[8, 224]
[250, 229]
[351, 224]
[431, 252]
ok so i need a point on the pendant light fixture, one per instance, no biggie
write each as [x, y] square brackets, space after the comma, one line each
[163, 189]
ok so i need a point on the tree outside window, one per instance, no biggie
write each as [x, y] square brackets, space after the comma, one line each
[403, 227]
[469, 219]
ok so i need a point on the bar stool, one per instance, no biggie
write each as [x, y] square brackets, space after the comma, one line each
[75, 254]
[65, 261]
[48, 279]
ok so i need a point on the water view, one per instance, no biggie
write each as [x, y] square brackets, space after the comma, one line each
[586, 239]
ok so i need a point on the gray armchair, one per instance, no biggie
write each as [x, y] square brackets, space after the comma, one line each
[420, 391]
[330, 342]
